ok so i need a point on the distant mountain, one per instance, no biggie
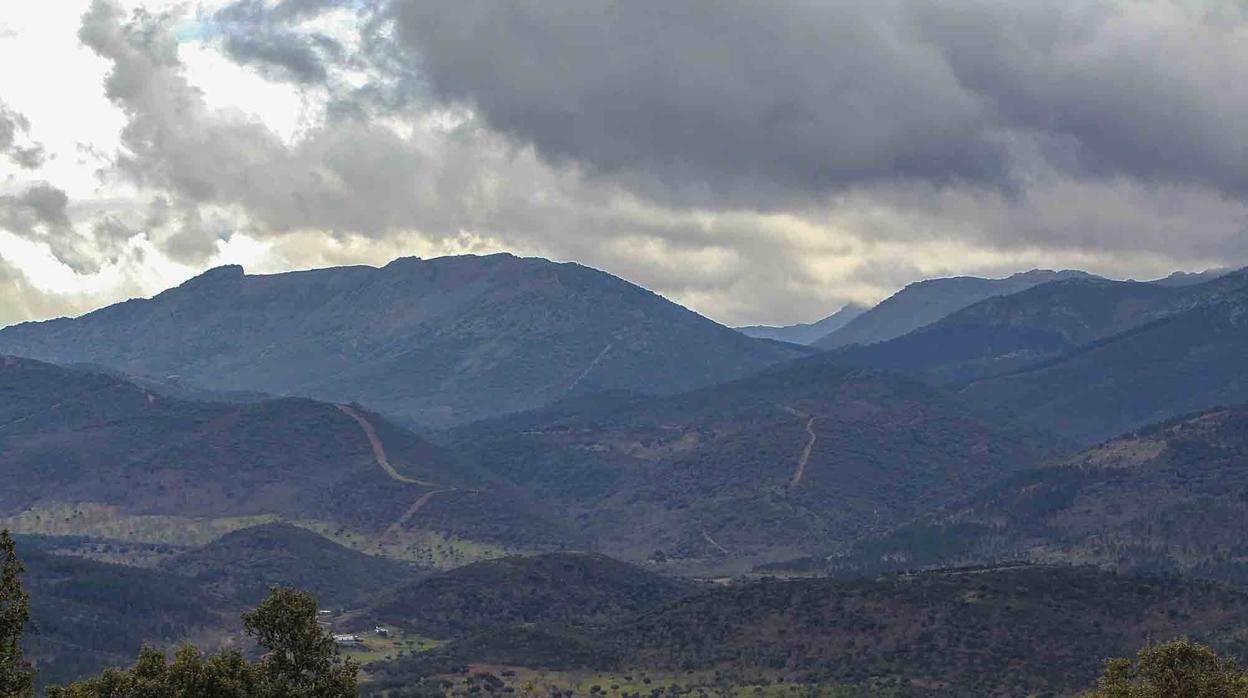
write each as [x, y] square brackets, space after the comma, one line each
[565, 588]
[1026, 630]
[809, 332]
[925, 302]
[1184, 355]
[244, 564]
[1006, 333]
[94, 455]
[441, 341]
[787, 459]
[1187, 278]
[1169, 499]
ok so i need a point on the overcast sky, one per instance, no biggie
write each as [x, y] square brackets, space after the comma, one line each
[755, 161]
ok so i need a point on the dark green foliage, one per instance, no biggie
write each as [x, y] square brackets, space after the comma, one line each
[245, 564]
[300, 661]
[564, 588]
[87, 615]
[15, 678]
[1178, 669]
[991, 631]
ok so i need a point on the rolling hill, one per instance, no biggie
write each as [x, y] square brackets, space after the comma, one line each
[1027, 630]
[244, 564]
[1170, 499]
[93, 455]
[787, 459]
[577, 589]
[87, 615]
[440, 342]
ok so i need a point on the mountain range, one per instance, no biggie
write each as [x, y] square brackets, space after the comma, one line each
[924, 302]
[439, 342]
[451, 447]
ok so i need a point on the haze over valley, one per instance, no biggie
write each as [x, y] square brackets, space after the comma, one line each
[464, 347]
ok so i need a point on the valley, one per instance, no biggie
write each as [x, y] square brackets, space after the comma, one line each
[931, 514]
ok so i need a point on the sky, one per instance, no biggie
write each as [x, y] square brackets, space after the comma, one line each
[756, 162]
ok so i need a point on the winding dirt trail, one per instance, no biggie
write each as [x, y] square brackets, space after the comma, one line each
[379, 454]
[801, 461]
[714, 543]
[397, 526]
[379, 451]
[597, 359]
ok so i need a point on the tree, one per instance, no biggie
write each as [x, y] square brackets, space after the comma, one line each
[301, 658]
[15, 676]
[300, 661]
[1177, 669]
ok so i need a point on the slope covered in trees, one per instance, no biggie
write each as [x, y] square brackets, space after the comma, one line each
[785, 460]
[983, 632]
[1172, 498]
[441, 341]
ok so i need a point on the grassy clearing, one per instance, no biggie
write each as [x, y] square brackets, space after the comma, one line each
[377, 648]
[103, 522]
[529, 682]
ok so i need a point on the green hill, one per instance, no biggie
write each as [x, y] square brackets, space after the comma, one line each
[242, 565]
[94, 455]
[983, 632]
[565, 588]
[87, 615]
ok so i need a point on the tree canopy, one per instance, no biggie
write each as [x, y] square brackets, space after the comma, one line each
[1177, 669]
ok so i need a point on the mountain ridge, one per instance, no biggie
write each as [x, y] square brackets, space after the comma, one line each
[439, 342]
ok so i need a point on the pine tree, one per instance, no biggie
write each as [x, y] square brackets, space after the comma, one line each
[15, 676]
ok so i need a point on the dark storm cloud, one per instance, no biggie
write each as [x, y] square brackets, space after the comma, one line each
[12, 126]
[789, 97]
[755, 99]
[263, 35]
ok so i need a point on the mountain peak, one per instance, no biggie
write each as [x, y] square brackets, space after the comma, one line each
[216, 275]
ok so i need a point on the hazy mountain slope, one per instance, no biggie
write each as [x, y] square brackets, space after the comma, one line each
[789, 458]
[244, 564]
[1171, 498]
[1189, 359]
[566, 588]
[925, 302]
[92, 454]
[806, 333]
[439, 341]
[1005, 333]
[989, 632]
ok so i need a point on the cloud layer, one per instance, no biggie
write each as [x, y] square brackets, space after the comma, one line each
[759, 162]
